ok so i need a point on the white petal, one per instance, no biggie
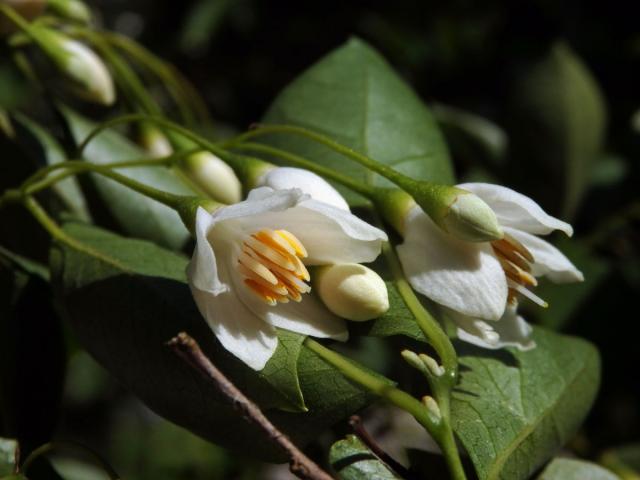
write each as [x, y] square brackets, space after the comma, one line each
[516, 210]
[237, 328]
[549, 261]
[510, 331]
[329, 234]
[259, 201]
[463, 276]
[318, 188]
[202, 270]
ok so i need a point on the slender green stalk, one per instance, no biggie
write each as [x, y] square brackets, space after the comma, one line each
[53, 228]
[396, 177]
[302, 162]
[429, 325]
[142, 162]
[378, 386]
[184, 95]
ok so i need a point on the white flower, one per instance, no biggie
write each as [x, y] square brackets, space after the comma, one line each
[480, 282]
[318, 188]
[248, 272]
[214, 177]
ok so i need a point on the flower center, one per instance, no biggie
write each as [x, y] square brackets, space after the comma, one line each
[271, 266]
[516, 262]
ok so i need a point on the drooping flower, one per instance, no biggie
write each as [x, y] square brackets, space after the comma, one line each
[248, 273]
[479, 283]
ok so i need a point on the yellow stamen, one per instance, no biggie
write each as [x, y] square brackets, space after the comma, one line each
[270, 262]
[516, 261]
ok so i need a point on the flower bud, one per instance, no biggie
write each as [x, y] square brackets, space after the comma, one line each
[75, 10]
[153, 141]
[213, 176]
[458, 212]
[281, 178]
[432, 407]
[352, 291]
[91, 78]
[470, 218]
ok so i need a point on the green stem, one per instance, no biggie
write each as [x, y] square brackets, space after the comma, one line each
[184, 95]
[160, 121]
[143, 162]
[378, 386]
[429, 325]
[396, 177]
[52, 227]
[302, 162]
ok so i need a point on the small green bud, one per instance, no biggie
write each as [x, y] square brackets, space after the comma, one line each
[458, 212]
[470, 218]
[352, 291]
[213, 176]
[75, 10]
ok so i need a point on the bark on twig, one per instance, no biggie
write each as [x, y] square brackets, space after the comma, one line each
[300, 465]
[358, 428]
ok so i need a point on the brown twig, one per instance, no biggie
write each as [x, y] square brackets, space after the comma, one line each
[358, 428]
[299, 464]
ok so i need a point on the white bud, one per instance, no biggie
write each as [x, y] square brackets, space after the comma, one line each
[352, 291]
[283, 178]
[432, 407]
[214, 177]
[432, 365]
[470, 218]
[90, 78]
[154, 141]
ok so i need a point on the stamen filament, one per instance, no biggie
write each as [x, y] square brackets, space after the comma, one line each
[270, 262]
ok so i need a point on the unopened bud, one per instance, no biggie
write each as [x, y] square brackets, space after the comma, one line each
[432, 366]
[413, 359]
[470, 218]
[214, 177]
[282, 178]
[75, 10]
[153, 141]
[432, 407]
[352, 291]
[90, 77]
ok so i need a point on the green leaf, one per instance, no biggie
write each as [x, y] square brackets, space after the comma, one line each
[352, 460]
[126, 298]
[513, 410]
[354, 96]
[570, 469]
[137, 214]
[9, 453]
[559, 126]
[398, 320]
[51, 151]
